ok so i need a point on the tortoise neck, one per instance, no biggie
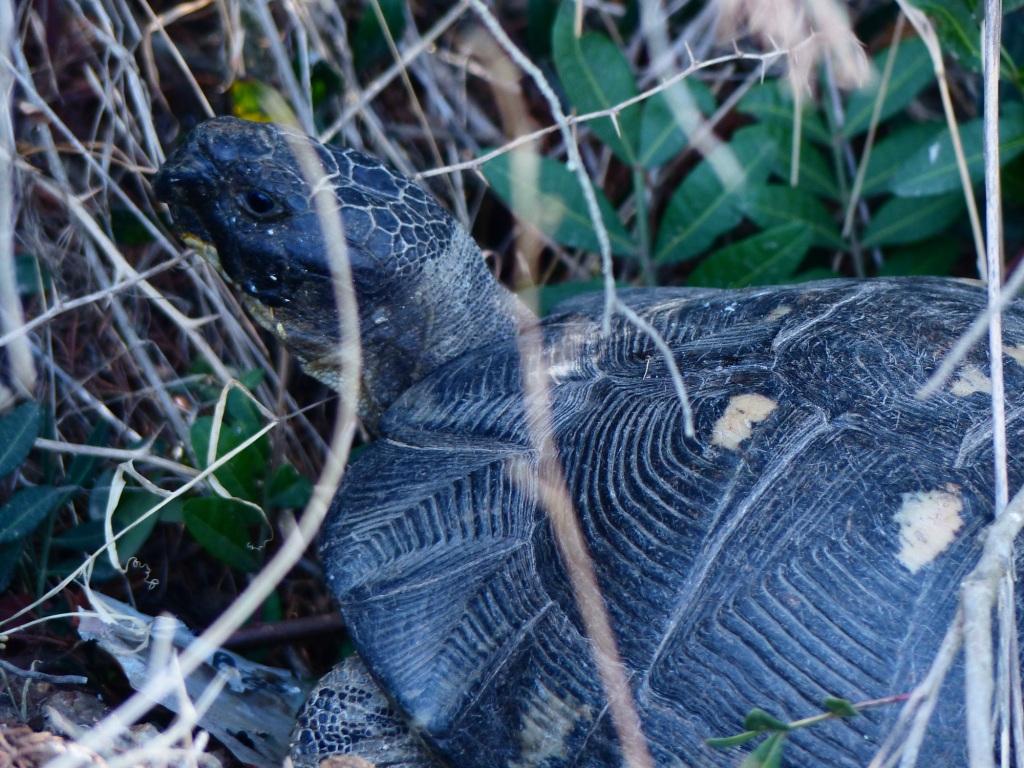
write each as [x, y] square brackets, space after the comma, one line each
[453, 306]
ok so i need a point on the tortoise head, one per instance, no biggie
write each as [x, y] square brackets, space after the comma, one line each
[236, 192]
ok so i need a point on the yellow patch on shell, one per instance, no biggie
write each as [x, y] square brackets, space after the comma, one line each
[929, 521]
[780, 311]
[970, 381]
[1015, 353]
[545, 725]
[736, 424]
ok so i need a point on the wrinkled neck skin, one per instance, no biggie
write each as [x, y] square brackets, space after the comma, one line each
[454, 305]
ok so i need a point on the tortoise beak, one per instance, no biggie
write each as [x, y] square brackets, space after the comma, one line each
[186, 173]
[185, 181]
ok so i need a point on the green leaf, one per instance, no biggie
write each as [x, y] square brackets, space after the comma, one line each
[907, 220]
[768, 754]
[772, 104]
[10, 554]
[662, 136]
[816, 175]
[703, 207]
[759, 720]
[727, 742]
[540, 18]
[244, 474]
[221, 526]
[596, 76]
[325, 83]
[958, 31]
[840, 707]
[765, 259]
[26, 509]
[932, 257]
[812, 274]
[128, 229]
[18, 431]
[248, 99]
[82, 470]
[29, 276]
[546, 298]
[132, 505]
[243, 414]
[369, 45]
[775, 205]
[890, 153]
[932, 169]
[911, 73]
[287, 488]
[84, 537]
[553, 202]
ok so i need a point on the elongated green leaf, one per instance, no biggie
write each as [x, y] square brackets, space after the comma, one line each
[596, 76]
[668, 119]
[907, 220]
[817, 175]
[911, 73]
[958, 31]
[131, 508]
[840, 707]
[544, 299]
[775, 204]
[10, 554]
[26, 509]
[727, 742]
[932, 169]
[30, 277]
[768, 754]
[84, 537]
[890, 153]
[552, 201]
[772, 104]
[243, 475]
[932, 257]
[813, 274]
[759, 720]
[704, 206]
[287, 488]
[369, 45]
[18, 431]
[221, 526]
[765, 259]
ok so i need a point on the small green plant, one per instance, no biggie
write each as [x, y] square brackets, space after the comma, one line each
[760, 208]
[230, 524]
[759, 723]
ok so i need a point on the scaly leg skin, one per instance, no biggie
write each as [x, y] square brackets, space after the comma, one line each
[347, 714]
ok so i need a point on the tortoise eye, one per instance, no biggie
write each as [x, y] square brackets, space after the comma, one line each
[260, 204]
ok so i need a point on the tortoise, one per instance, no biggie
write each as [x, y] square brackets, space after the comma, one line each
[806, 542]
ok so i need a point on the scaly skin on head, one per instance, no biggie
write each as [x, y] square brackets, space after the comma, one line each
[237, 194]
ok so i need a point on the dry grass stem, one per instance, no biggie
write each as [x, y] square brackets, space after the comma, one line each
[574, 120]
[926, 31]
[817, 29]
[876, 111]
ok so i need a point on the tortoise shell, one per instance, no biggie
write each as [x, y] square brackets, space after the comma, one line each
[808, 542]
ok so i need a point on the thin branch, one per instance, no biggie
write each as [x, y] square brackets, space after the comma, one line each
[117, 454]
[554, 493]
[573, 120]
[384, 79]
